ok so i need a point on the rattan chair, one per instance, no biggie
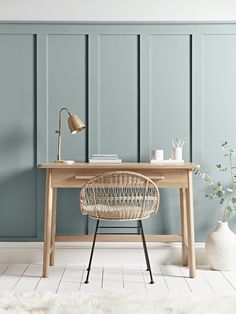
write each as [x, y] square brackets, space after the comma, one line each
[119, 196]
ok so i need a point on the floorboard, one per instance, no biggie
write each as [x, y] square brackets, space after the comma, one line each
[29, 279]
[133, 279]
[174, 279]
[11, 276]
[72, 279]
[113, 279]
[95, 279]
[198, 285]
[159, 285]
[53, 281]
[217, 281]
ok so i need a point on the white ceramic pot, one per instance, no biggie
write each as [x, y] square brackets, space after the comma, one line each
[221, 247]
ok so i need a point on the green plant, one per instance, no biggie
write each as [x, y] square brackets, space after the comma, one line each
[224, 192]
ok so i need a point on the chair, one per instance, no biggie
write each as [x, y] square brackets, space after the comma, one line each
[119, 196]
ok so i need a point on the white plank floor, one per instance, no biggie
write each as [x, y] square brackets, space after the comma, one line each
[70, 278]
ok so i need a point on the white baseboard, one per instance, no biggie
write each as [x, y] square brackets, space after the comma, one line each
[106, 253]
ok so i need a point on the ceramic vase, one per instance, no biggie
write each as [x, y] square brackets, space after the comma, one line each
[221, 247]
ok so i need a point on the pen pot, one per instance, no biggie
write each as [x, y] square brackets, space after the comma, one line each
[178, 153]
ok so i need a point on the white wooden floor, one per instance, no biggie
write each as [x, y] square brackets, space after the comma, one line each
[70, 278]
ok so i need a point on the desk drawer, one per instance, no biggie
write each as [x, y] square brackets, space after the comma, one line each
[75, 178]
[70, 178]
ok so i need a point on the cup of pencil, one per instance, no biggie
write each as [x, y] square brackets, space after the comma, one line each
[177, 148]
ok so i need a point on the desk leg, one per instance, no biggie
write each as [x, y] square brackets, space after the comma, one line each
[184, 226]
[190, 224]
[53, 228]
[47, 222]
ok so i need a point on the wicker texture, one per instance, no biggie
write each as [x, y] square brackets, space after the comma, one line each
[119, 195]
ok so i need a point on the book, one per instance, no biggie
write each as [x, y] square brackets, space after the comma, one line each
[167, 161]
[105, 161]
[104, 156]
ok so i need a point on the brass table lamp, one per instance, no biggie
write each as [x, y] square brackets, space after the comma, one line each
[75, 126]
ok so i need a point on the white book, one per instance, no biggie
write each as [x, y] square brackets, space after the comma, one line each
[104, 156]
[167, 161]
[105, 161]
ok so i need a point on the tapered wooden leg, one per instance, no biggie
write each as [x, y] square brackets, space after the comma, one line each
[190, 224]
[47, 222]
[53, 228]
[182, 194]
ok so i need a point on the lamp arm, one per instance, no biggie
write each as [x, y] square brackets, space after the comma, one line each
[58, 132]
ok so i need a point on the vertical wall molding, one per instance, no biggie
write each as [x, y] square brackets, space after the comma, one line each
[197, 101]
[42, 123]
[42, 98]
[191, 97]
[139, 97]
[145, 109]
[93, 110]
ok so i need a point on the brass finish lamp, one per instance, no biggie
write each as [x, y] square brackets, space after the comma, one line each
[75, 126]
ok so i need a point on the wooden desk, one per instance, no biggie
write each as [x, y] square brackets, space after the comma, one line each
[166, 176]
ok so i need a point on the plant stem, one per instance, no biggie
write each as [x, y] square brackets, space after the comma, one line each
[231, 172]
[225, 209]
[225, 216]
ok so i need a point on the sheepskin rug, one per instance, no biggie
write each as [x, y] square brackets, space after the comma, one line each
[106, 302]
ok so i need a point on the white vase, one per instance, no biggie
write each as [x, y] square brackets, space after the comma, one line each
[221, 247]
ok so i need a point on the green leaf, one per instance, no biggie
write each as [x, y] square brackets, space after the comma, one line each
[233, 199]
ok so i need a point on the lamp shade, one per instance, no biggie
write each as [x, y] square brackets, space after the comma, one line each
[75, 124]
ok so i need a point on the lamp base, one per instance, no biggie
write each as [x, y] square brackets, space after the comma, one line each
[68, 162]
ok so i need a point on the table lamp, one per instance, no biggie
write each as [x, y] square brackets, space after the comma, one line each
[75, 126]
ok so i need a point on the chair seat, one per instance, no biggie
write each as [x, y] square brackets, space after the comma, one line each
[119, 195]
[117, 213]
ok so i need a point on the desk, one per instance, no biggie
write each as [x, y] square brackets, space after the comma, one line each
[164, 175]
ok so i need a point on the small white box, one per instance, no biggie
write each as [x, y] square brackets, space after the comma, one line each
[157, 154]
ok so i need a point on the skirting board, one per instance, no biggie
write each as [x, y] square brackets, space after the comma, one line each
[105, 253]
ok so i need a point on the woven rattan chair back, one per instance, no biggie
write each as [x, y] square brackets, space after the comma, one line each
[119, 195]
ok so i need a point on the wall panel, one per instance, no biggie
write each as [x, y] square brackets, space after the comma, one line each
[218, 109]
[118, 105]
[67, 85]
[170, 106]
[170, 91]
[17, 137]
[118, 101]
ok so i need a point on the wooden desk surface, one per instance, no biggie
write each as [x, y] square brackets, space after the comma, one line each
[131, 165]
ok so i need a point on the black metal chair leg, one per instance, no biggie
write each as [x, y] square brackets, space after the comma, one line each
[144, 247]
[91, 254]
[146, 252]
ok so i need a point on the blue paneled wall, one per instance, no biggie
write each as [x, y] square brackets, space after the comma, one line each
[136, 86]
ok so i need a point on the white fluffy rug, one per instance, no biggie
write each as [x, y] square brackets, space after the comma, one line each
[114, 303]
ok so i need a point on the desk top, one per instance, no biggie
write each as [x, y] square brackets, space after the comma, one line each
[122, 166]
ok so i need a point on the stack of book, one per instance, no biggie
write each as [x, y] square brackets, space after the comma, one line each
[105, 158]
